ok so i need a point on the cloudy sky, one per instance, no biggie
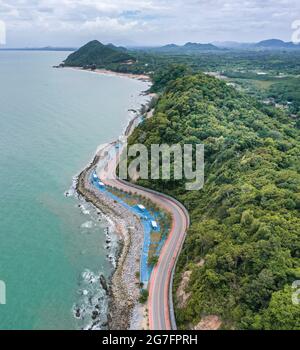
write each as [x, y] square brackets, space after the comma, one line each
[145, 22]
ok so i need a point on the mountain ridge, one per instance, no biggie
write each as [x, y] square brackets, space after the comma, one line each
[94, 53]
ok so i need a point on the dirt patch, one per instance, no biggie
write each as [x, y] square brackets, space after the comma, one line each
[201, 263]
[181, 294]
[209, 323]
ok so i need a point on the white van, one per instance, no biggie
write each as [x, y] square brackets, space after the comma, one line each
[154, 225]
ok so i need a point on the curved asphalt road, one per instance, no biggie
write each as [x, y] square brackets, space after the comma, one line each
[161, 313]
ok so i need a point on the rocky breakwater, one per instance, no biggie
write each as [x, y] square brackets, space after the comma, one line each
[124, 288]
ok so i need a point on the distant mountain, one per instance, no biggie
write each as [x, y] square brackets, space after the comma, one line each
[232, 45]
[170, 47]
[188, 48]
[96, 54]
[199, 47]
[276, 44]
[270, 44]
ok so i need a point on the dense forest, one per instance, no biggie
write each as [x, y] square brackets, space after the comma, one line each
[243, 247]
[287, 91]
[281, 88]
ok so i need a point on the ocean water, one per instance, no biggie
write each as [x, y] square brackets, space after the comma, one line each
[51, 250]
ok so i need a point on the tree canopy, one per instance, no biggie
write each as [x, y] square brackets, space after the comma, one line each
[245, 222]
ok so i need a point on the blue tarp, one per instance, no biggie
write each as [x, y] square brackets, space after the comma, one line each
[146, 219]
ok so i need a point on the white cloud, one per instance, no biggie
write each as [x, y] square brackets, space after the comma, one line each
[43, 22]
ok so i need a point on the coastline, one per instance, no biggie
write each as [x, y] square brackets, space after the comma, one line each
[141, 77]
[121, 297]
[124, 310]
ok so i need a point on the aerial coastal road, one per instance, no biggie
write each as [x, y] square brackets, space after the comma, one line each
[161, 313]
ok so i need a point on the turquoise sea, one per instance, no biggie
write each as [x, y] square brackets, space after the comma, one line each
[51, 122]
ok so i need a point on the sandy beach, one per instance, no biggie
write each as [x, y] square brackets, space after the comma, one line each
[141, 77]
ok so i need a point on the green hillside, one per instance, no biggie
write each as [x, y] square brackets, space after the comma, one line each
[243, 247]
[95, 53]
